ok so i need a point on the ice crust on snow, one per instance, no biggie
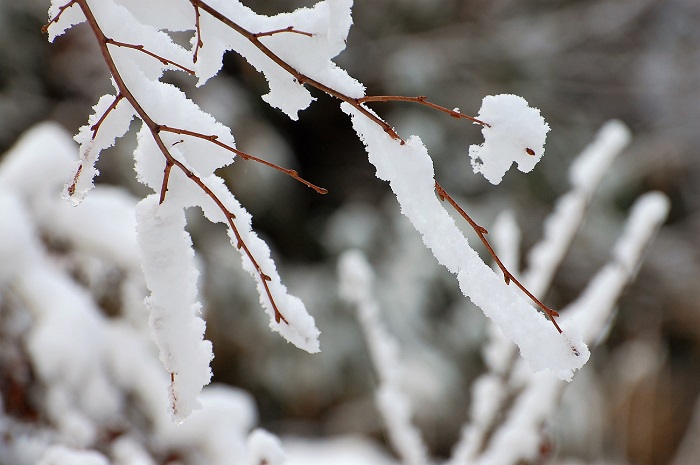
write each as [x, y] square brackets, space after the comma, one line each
[515, 133]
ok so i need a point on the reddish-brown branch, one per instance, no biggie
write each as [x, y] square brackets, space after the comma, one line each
[357, 103]
[96, 127]
[171, 161]
[507, 275]
[198, 31]
[246, 156]
[166, 179]
[76, 176]
[423, 101]
[279, 31]
[143, 49]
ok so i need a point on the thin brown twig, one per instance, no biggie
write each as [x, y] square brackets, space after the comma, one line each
[246, 156]
[423, 101]
[143, 49]
[170, 160]
[96, 127]
[507, 275]
[279, 31]
[302, 79]
[55, 19]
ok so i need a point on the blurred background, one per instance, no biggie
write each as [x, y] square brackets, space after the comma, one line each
[581, 62]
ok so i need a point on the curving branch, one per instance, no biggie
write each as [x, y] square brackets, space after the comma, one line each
[170, 161]
[254, 38]
[358, 103]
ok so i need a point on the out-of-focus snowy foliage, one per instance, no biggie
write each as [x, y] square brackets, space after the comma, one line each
[421, 370]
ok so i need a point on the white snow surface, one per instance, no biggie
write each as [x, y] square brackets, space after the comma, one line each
[516, 134]
[409, 170]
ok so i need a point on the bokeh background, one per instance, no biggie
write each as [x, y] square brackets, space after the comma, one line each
[581, 62]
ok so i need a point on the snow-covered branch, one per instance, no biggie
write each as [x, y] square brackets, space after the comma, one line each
[355, 276]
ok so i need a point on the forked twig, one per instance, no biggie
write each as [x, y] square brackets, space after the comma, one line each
[254, 38]
[55, 19]
[358, 103]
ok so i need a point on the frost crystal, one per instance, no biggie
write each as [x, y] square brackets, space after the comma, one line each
[516, 133]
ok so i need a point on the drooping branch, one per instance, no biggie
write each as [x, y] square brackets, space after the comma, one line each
[56, 18]
[254, 38]
[358, 103]
[300, 77]
[170, 160]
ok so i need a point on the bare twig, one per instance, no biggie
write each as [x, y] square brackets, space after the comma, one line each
[56, 18]
[96, 127]
[199, 43]
[507, 275]
[279, 31]
[423, 101]
[143, 49]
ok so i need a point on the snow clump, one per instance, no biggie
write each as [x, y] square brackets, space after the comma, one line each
[515, 132]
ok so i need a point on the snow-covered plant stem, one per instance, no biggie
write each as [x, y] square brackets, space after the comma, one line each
[355, 283]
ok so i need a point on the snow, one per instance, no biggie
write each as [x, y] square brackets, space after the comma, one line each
[74, 349]
[219, 430]
[515, 133]
[264, 447]
[560, 227]
[328, 22]
[356, 278]
[61, 455]
[167, 259]
[409, 170]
